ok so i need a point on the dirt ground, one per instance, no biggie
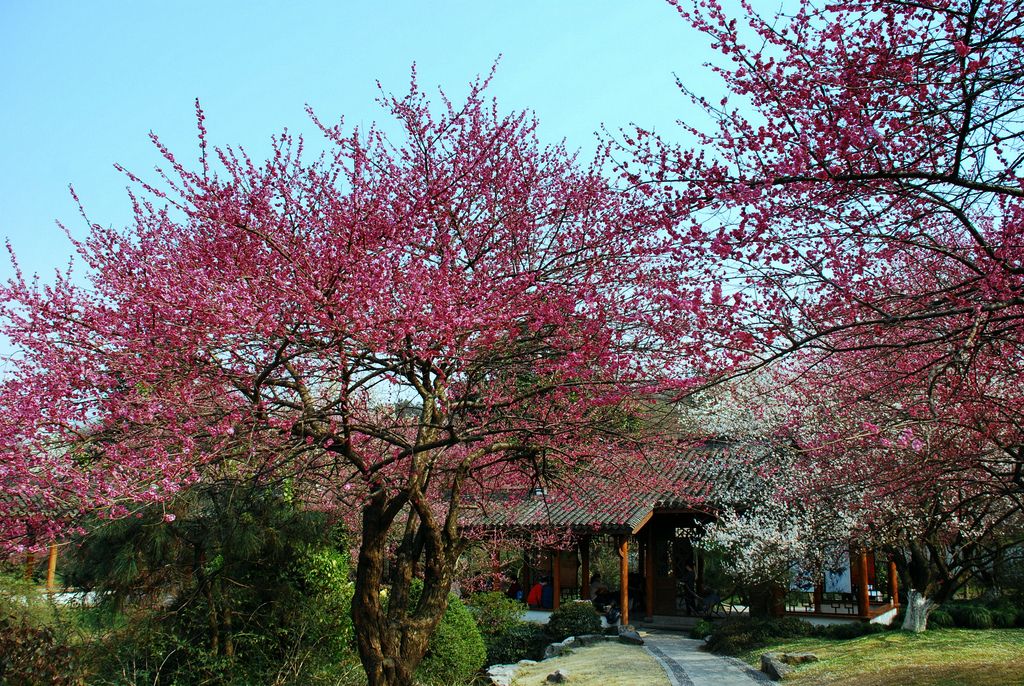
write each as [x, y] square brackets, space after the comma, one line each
[605, 664]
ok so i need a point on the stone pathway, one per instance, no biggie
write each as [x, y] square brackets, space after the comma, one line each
[686, 665]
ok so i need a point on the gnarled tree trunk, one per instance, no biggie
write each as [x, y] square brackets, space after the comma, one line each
[393, 637]
[919, 606]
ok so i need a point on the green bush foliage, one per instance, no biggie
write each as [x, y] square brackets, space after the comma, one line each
[970, 615]
[847, 631]
[738, 635]
[1005, 612]
[940, 619]
[521, 641]
[33, 654]
[1003, 618]
[36, 641]
[242, 587]
[573, 619]
[327, 592]
[496, 616]
[701, 630]
[456, 652]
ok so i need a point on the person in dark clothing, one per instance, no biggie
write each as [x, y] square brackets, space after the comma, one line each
[689, 579]
[547, 597]
[600, 594]
[514, 590]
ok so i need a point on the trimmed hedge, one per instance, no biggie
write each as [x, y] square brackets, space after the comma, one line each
[847, 631]
[498, 618]
[456, 651]
[970, 616]
[521, 641]
[701, 630]
[738, 635]
[573, 619]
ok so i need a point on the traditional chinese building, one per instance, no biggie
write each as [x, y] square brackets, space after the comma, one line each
[653, 535]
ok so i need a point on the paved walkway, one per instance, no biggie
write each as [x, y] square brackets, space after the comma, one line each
[686, 665]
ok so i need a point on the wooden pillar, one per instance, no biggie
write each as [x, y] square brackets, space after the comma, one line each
[894, 584]
[624, 579]
[585, 568]
[649, 574]
[819, 594]
[51, 568]
[863, 603]
[556, 578]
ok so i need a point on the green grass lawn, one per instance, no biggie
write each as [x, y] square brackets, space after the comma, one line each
[944, 657]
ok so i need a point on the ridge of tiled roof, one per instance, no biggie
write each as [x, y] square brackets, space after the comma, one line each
[695, 480]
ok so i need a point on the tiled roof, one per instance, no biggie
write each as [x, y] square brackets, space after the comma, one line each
[698, 480]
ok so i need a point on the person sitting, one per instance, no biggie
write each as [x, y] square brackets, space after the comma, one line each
[600, 595]
[547, 597]
[710, 602]
[533, 599]
[514, 590]
[689, 581]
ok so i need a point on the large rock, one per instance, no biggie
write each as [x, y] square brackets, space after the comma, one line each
[774, 667]
[558, 677]
[798, 658]
[630, 638]
[591, 639]
[556, 649]
[502, 675]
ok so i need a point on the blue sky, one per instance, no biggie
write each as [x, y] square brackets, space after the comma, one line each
[84, 82]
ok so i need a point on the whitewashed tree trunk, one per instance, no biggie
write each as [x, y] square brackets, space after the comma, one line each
[918, 608]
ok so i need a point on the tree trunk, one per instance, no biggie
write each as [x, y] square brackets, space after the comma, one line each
[918, 607]
[393, 640]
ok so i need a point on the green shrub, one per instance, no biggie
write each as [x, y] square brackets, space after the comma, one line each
[1005, 613]
[848, 630]
[496, 615]
[456, 652]
[242, 587]
[326, 604]
[701, 630]
[145, 650]
[521, 641]
[36, 642]
[970, 616]
[733, 644]
[787, 627]
[940, 619]
[32, 654]
[1002, 603]
[739, 635]
[1003, 618]
[573, 619]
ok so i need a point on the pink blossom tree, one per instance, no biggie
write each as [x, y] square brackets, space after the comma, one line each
[857, 199]
[398, 326]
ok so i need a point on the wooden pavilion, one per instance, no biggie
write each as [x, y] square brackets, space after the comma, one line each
[652, 534]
